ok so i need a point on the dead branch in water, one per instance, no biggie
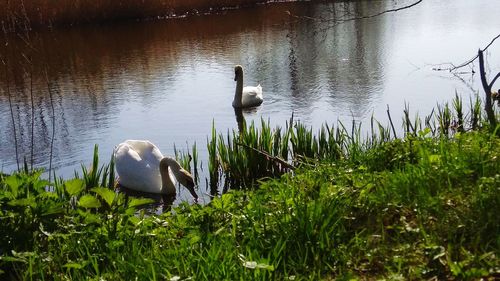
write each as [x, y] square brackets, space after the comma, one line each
[487, 87]
[11, 106]
[453, 67]
[488, 105]
[51, 98]
[269, 157]
[339, 21]
[32, 118]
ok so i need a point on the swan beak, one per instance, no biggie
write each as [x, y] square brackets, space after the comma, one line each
[188, 182]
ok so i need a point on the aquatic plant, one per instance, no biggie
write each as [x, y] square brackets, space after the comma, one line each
[213, 162]
[185, 158]
[421, 207]
[98, 176]
[244, 157]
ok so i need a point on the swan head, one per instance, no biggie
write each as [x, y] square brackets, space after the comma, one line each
[183, 176]
[238, 72]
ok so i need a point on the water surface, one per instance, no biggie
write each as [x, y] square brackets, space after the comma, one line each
[168, 80]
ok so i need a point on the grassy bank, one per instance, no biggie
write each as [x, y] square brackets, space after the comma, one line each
[420, 207]
[34, 13]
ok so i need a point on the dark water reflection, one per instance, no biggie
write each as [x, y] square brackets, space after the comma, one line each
[166, 81]
[160, 202]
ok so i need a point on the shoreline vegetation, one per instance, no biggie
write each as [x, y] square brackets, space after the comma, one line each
[45, 13]
[317, 206]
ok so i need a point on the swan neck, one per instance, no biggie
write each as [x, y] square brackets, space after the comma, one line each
[239, 91]
[166, 165]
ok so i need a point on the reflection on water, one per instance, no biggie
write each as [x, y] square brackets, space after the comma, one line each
[167, 81]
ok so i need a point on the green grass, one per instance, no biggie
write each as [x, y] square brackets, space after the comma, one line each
[240, 159]
[420, 207]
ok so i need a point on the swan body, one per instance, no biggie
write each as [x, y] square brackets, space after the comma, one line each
[142, 167]
[245, 96]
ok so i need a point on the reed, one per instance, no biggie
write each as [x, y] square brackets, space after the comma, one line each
[418, 207]
[11, 107]
[475, 112]
[28, 14]
[411, 127]
[379, 136]
[32, 106]
[213, 161]
[444, 118]
[254, 153]
[244, 157]
[431, 218]
[98, 176]
[185, 158]
[53, 123]
[194, 153]
[459, 113]
[429, 124]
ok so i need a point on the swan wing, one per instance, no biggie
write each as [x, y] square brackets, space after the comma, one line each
[137, 165]
[252, 96]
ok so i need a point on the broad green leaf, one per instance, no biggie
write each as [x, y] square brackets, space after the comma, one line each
[193, 239]
[217, 203]
[424, 132]
[134, 220]
[23, 202]
[129, 211]
[435, 159]
[134, 202]
[14, 183]
[53, 209]
[225, 201]
[89, 201]
[105, 193]
[89, 218]
[51, 196]
[74, 187]
[39, 185]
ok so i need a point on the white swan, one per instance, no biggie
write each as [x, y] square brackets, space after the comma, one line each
[141, 166]
[245, 96]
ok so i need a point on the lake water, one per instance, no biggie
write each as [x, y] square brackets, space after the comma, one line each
[168, 80]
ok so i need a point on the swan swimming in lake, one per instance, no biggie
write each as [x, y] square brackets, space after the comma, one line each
[245, 96]
[141, 166]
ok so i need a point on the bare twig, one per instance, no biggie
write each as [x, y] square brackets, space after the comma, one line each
[494, 79]
[392, 124]
[386, 11]
[32, 119]
[269, 157]
[356, 17]
[492, 40]
[474, 58]
[53, 123]
[487, 91]
[5, 63]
